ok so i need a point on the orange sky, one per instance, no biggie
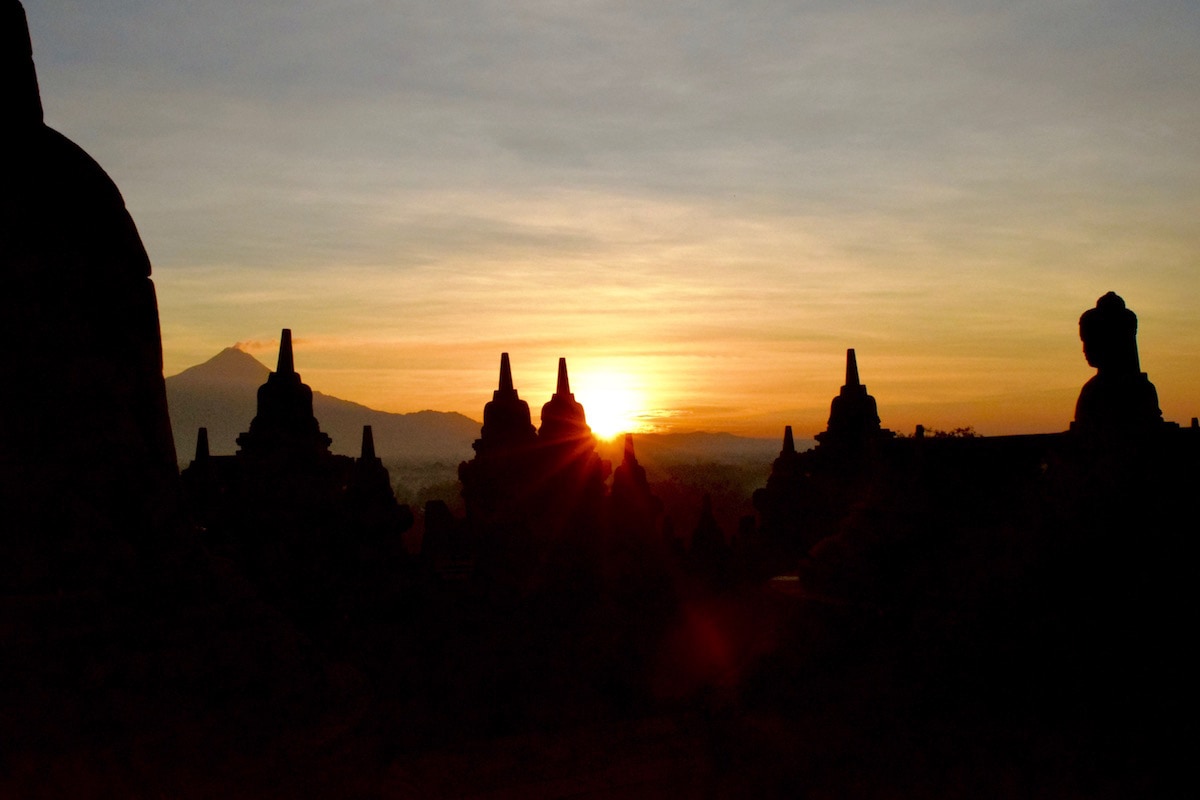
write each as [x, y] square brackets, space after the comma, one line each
[715, 201]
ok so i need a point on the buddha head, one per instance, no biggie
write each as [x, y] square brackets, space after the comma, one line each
[1109, 334]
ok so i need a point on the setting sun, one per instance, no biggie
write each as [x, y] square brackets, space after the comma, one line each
[613, 402]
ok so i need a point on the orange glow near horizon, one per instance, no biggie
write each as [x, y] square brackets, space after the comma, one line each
[748, 388]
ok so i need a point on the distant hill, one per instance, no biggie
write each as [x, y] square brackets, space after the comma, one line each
[221, 395]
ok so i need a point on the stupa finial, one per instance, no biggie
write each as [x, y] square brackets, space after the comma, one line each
[286, 364]
[564, 383]
[201, 444]
[19, 93]
[506, 380]
[851, 368]
[368, 444]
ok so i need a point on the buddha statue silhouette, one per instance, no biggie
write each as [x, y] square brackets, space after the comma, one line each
[1119, 399]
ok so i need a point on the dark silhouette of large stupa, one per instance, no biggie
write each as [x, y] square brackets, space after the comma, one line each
[85, 445]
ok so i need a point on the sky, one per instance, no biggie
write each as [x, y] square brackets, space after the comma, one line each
[701, 205]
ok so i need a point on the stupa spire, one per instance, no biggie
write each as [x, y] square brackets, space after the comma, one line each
[201, 444]
[563, 417]
[851, 368]
[506, 421]
[853, 416]
[286, 364]
[368, 444]
[18, 79]
[564, 383]
[506, 380]
[284, 422]
[635, 509]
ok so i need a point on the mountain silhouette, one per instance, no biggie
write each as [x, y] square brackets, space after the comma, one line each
[220, 394]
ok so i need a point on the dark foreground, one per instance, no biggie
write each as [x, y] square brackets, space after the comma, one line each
[1071, 677]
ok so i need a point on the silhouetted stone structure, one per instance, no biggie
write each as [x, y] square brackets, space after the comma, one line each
[563, 418]
[853, 416]
[635, 548]
[1117, 439]
[283, 467]
[548, 480]
[202, 452]
[370, 500]
[85, 449]
[781, 505]
[506, 421]
[117, 628]
[1048, 568]
[497, 482]
[447, 548]
[942, 524]
[710, 555]
[284, 428]
[302, 521]
[807, 493]
[635, 509]
[571, 473]
[957, 602]
[538, 507]
[1120, 400]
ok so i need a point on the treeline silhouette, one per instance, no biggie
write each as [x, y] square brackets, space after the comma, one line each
[902, 615]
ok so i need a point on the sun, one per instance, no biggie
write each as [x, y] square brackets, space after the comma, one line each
[612, 402]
